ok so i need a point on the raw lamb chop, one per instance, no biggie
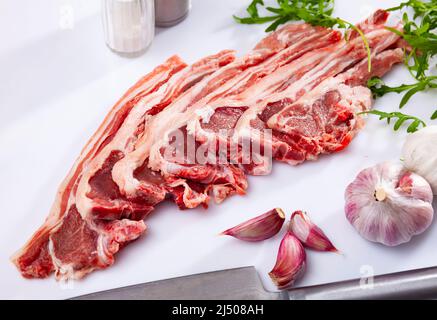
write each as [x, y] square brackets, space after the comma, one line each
[325, 119]
[252, 108]
[73, 243]
[221, 180]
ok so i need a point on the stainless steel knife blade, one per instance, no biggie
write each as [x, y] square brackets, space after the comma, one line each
[245, 284]
[233, 284]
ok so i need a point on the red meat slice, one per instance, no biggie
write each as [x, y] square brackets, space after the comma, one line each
[94, 208]
[275, 50]
[325, 119]
[269, 96]
[34, 259]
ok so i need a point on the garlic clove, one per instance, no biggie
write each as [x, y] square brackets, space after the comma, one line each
[389, 204]
[290, 262]
[309, 234]
[259, 228]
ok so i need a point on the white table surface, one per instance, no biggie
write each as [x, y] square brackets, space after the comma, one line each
[58, 80]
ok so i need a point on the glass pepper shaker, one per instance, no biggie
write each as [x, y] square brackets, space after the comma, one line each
[171, 12]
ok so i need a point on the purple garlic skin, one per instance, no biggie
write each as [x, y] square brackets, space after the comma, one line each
[309, 234]
[290, 262]
[259, 228]
[389, 204]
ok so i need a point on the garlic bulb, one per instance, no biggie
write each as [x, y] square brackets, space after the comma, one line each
[389, 204]
[420, 154]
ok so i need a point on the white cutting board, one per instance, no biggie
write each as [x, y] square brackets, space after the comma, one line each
[58, 80]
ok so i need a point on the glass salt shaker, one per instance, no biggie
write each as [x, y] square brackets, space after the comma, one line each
[129, 25]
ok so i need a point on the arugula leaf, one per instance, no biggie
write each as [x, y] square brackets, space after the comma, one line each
[379, 89]
[422, 38]
[401, 119]
[317, 12]
[254, 20]
[252, 9]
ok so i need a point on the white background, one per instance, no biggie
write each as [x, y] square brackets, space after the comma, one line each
[58, 80]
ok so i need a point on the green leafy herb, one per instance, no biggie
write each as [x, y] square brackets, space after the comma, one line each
[422, 38]
[401, 119]
[314, 12]
[379, 89]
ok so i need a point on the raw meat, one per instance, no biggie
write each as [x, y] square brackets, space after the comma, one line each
[252, 108]
[297, 94]
[100, 219]
[221, 180]
[89, 210]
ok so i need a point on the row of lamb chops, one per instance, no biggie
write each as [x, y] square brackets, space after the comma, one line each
[296, 94]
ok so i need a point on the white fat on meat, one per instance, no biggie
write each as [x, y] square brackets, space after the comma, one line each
[177, 115]
[123, 140]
